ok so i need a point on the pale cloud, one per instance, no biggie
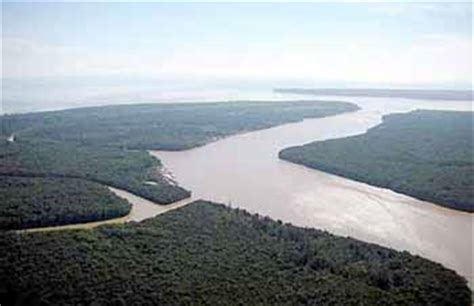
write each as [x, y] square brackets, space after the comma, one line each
[26, 58]
[397, 7]
[383, 42]
[432, 58]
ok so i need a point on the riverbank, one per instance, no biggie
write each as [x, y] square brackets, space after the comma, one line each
[141, 209]
[423, 154]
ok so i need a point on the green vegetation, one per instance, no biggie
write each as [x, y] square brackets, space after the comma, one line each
[162, 126]
[106, 144]
[209, 254]
[425, 154]
[38, 202]
[127, 170]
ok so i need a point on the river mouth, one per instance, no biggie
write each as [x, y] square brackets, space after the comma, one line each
[244, 171]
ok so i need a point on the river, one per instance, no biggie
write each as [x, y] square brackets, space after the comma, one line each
[141, 209]
[244, 171]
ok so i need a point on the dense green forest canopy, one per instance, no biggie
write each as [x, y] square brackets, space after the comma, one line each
[124, 169]
[210, 254]
[27, 202]
[425, 154]
[162, 126]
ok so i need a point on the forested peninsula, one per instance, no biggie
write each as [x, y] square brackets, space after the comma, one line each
[107, 146]
[424, 154]
[177, 126]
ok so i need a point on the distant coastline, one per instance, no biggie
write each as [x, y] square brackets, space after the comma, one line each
[427, 94]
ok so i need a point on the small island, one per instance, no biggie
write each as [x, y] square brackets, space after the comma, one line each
[424, 154]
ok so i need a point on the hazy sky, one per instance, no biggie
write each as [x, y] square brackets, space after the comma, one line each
[393, 43]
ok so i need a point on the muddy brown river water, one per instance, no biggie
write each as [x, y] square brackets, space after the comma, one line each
[244, 171]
